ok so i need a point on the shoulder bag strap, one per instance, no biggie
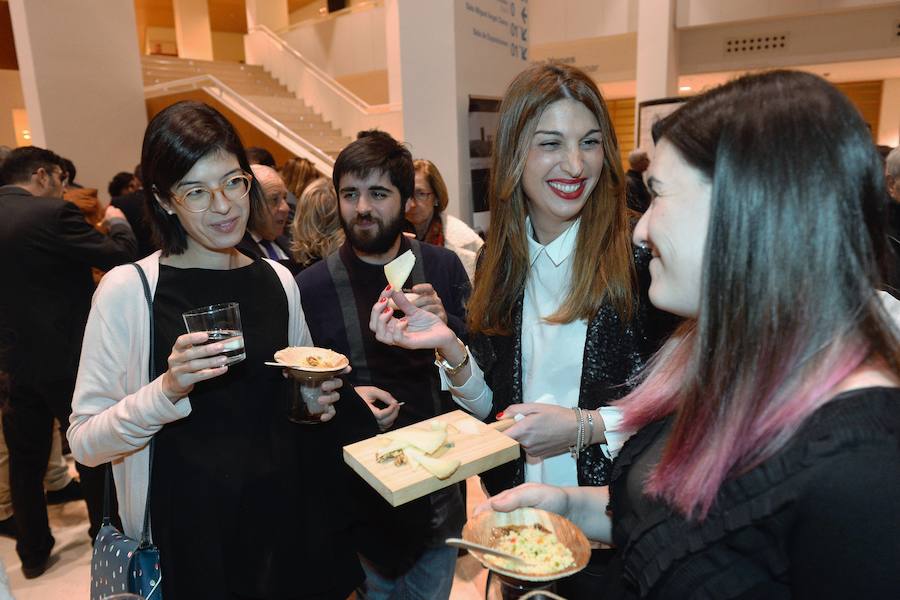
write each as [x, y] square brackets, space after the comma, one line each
[145, 532]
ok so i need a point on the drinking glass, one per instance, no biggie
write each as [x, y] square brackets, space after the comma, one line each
[303, 396]
[221, 322]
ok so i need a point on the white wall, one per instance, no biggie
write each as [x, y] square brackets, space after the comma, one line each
[343, 45]
[10, 98]
[85, 101]
[696, 13]
[554, 21]
[858, 35]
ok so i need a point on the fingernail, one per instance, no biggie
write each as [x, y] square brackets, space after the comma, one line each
[382, 299]
[388, 288]
[387, 309]
[499, 415]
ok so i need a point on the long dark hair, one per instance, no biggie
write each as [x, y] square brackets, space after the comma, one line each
[175, 140]
[602, 269]
[788, 302]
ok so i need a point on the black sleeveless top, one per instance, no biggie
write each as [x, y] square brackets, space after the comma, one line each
[231, 502]
[820, 519]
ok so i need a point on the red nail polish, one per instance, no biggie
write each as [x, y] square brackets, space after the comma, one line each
[387, 309]
[388, 288]
[382, 299]
[500, 415]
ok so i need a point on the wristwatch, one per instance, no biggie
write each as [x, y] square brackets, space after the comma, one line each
[449, 369]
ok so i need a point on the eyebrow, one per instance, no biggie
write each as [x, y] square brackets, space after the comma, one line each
[559, 133]
[184, 183]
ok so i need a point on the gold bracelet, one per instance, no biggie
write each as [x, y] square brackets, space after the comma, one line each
[449, 369]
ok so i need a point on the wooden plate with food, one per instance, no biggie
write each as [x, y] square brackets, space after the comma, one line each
[552, 545]
[411, 462]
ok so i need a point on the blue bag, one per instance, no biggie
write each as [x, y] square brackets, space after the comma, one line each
[119, 563]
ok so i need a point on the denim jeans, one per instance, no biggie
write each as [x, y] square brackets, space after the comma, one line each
[429, 579]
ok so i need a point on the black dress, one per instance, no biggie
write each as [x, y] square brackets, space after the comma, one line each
[237, 511]
[820, 519]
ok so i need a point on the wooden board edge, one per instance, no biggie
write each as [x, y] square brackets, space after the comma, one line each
[372, 481]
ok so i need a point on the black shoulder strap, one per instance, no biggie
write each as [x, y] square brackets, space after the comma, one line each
[341, 279]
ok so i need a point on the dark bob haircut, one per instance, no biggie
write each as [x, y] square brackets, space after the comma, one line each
[175, 140]
[375, 150]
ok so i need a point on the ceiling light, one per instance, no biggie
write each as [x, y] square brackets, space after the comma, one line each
[684, 88]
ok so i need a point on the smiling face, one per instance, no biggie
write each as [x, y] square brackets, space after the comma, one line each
[564, 163]
[221, 226]
[675, 227]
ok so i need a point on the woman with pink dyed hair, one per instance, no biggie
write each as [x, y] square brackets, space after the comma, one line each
[766, 458]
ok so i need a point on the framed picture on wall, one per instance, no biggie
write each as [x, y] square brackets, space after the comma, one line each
[649, 112]
[483, 119]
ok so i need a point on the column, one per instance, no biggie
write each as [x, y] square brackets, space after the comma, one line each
[85, 101]
[889, 117]
[193, 33]
[657, 51]
[392, 50]
[427, 64]
[273, 14]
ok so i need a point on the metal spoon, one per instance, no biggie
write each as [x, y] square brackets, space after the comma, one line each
[461, 543]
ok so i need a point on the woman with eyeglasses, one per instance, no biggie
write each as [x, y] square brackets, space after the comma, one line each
[231, 510]
[428, 221]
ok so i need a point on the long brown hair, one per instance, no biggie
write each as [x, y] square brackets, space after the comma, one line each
[603, 270]
[298, 173]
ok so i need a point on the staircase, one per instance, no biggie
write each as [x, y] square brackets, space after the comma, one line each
[256, 91]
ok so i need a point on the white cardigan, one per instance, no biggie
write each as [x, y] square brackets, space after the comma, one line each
[116, 409]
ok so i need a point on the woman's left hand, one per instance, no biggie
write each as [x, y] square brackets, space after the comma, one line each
[546, 430]
[330, 395]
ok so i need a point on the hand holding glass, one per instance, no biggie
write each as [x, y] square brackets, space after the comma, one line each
[221, 323]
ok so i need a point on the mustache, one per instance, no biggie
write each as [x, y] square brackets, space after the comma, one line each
[365, 218]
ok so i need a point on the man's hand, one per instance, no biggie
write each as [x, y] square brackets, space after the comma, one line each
[428, 300]
[384, 416]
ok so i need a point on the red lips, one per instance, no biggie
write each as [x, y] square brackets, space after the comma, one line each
[567, 189]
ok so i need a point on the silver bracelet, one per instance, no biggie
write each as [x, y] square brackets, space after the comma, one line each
[575, 449]
[590, 432]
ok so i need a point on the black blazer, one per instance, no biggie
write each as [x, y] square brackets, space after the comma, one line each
[47, 250]
[133, 205]
[250, 248]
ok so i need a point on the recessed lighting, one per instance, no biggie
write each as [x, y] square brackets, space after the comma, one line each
[684, 88]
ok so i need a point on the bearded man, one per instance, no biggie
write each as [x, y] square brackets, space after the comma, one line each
[401, 549]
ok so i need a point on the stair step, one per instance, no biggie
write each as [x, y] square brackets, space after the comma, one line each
[258, 87]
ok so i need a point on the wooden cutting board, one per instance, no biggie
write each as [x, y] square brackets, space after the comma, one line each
[477, 446]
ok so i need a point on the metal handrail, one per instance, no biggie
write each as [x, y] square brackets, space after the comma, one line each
[358, 103]
[205, 82]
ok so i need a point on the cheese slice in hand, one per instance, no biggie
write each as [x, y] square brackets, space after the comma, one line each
[397, 271]
[426, 441]
[441, 468]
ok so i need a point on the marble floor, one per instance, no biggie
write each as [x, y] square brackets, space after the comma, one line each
[68, 578]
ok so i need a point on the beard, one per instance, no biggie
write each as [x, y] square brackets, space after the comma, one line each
[377, 240]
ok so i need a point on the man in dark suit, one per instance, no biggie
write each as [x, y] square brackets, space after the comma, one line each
[47, 250]
[265, 232]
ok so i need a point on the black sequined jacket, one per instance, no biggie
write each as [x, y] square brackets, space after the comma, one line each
[614, 351]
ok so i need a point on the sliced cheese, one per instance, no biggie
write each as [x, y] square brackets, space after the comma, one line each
[391, 448]
[397, 271]
[426, 441]
[442, 468]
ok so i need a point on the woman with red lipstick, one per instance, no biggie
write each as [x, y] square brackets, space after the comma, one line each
[230, 506]
[558, 317]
